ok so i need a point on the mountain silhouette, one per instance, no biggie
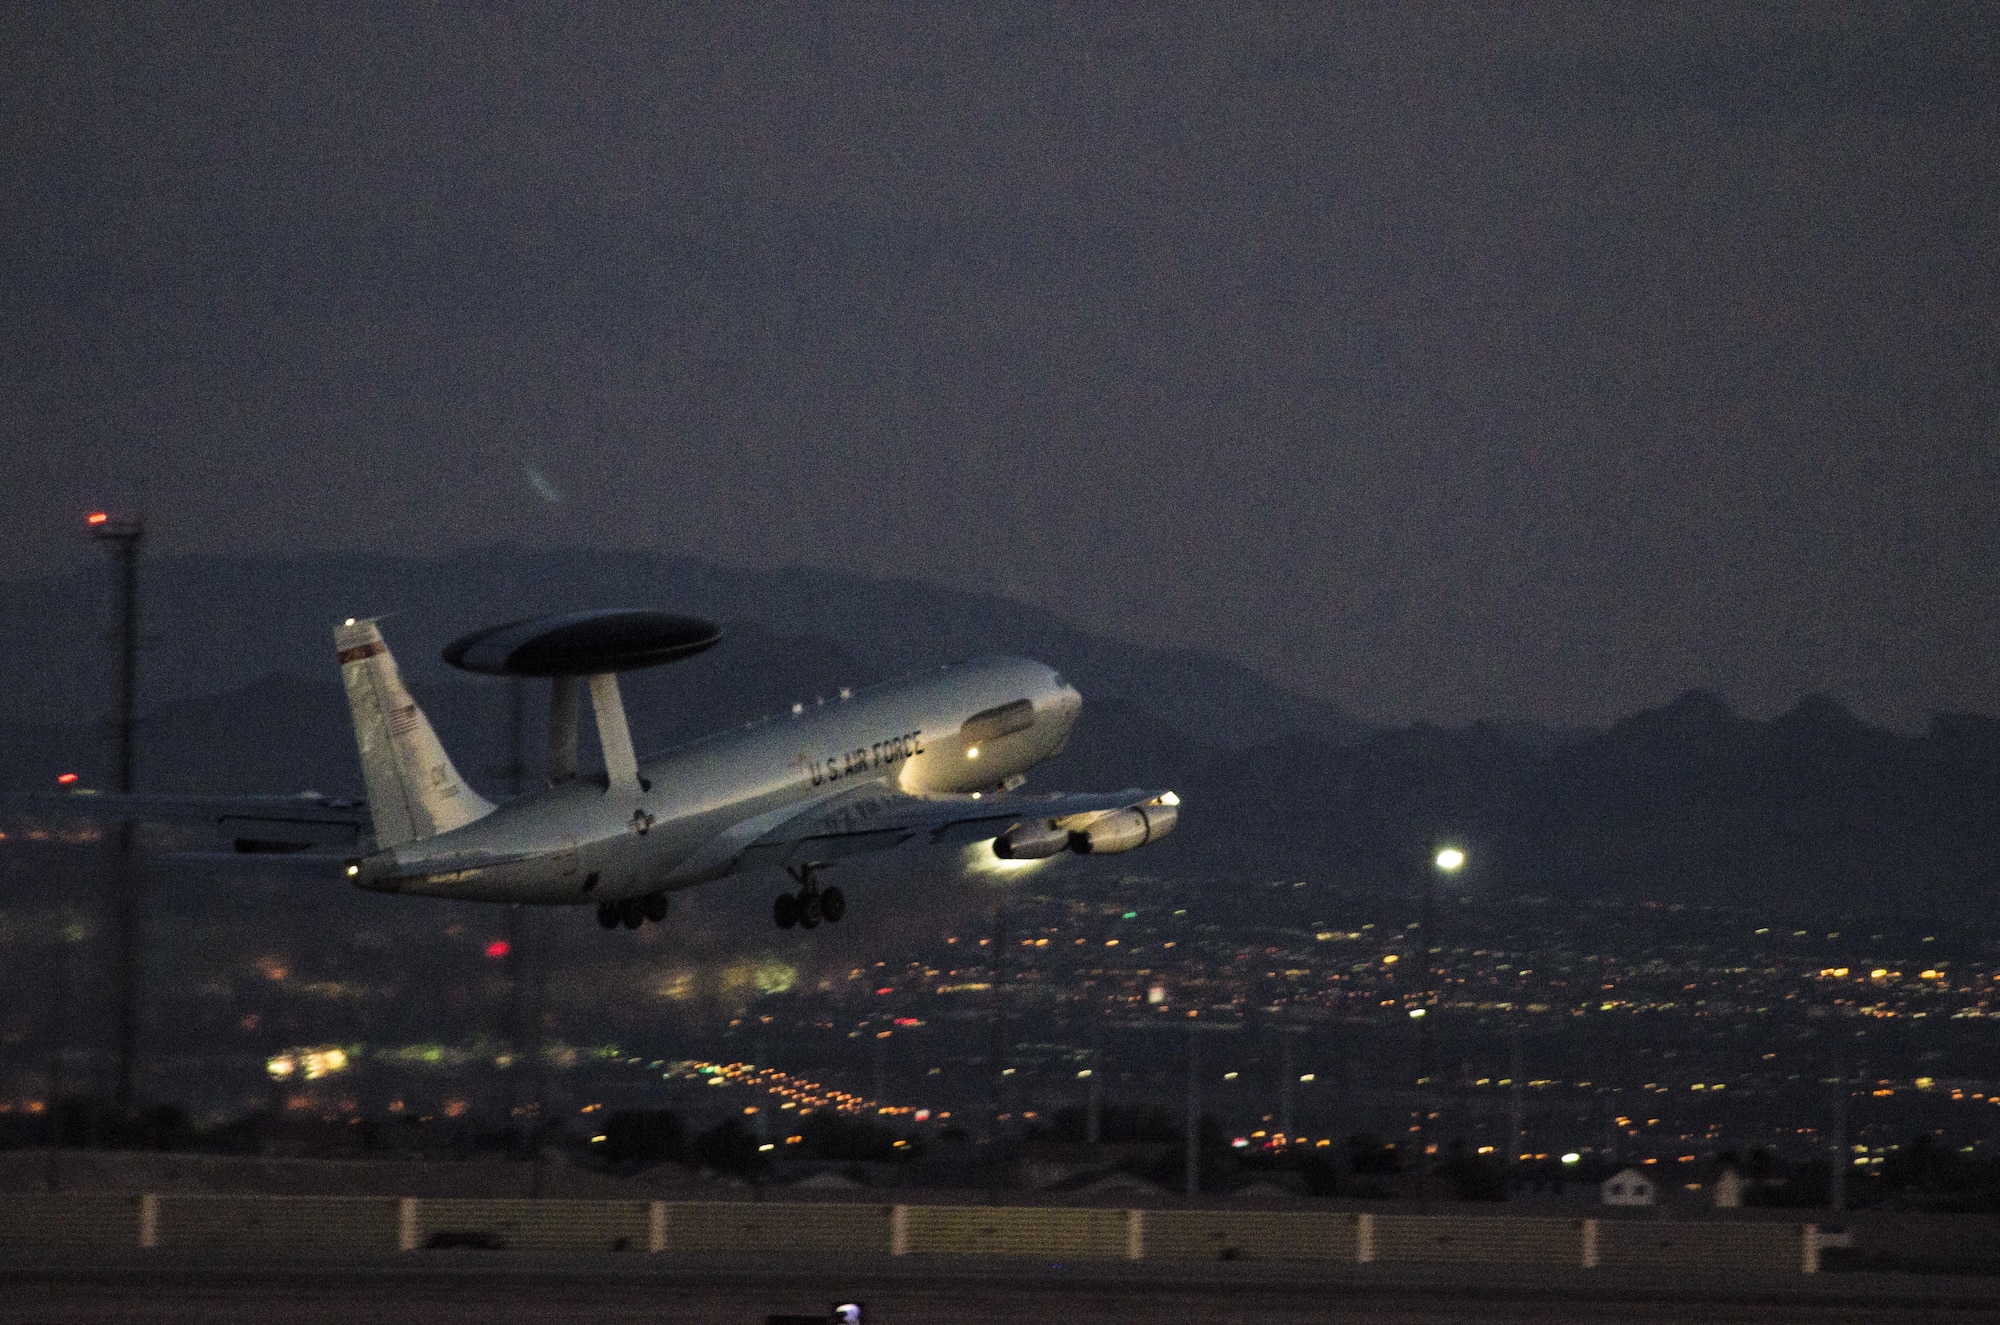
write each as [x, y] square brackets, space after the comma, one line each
[1812, 810]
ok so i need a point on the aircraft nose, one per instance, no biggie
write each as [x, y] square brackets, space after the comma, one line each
[1068, 701]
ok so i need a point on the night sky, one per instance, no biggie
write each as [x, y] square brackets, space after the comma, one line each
[1534, 363]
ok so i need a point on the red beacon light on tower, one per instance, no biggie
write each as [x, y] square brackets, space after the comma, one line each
[122, 530]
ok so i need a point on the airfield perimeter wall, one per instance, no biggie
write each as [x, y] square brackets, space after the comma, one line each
[336, 1225]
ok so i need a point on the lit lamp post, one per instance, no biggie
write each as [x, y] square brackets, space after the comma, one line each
[1446, 860]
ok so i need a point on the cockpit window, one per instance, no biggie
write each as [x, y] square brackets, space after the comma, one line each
[991, 724]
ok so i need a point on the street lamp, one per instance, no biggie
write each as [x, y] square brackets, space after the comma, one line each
[1446, 860]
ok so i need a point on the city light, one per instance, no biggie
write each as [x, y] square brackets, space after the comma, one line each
[1512, 968]
[312, 1064]
[96, 517]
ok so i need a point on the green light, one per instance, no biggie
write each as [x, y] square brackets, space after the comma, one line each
[1131, 915]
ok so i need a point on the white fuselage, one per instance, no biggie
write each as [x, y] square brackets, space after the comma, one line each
[701, 804]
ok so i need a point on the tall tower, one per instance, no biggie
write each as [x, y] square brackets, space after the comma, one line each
[122, 538]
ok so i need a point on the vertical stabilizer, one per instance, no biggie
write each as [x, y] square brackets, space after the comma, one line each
[414, 791]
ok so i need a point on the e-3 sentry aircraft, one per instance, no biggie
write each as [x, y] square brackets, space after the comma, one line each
[933, 758]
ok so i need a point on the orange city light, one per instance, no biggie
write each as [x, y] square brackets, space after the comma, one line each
[66, 778]
[96, 517]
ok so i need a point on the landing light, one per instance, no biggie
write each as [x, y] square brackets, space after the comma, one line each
[1170, 799]
[1450, 860]
[353, 870]
[1572, 1158]
[972, 752]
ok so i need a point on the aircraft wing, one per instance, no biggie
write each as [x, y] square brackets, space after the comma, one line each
[249, 825]
[877, 819]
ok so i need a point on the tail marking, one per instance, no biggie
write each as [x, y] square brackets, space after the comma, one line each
[414, 791]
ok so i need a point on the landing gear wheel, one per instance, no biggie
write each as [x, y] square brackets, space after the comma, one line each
[632, 912]
[832, 904]
[785, 910]
[809, 910]
[607, 914]
[654, 905]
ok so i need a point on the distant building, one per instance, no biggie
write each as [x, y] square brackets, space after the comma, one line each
[1730, 1187]
[1629, 1186]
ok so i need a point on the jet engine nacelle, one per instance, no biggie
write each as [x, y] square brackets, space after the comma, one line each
[1031, 841]
[1124, 830]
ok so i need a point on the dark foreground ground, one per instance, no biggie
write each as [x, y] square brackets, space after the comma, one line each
[487, 1288]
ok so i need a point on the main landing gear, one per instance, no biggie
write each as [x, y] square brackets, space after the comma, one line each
[810, 904]
[633, 911]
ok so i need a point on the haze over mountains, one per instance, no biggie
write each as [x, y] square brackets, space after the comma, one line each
[1811, 813]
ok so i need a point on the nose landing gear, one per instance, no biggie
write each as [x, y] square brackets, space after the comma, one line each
[810, 904]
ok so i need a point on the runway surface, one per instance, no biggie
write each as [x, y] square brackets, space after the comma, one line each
[486, 1288]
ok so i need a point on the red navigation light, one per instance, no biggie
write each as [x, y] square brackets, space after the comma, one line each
[66, 778]
[885, 990]
[96, 517]
[498, 948]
